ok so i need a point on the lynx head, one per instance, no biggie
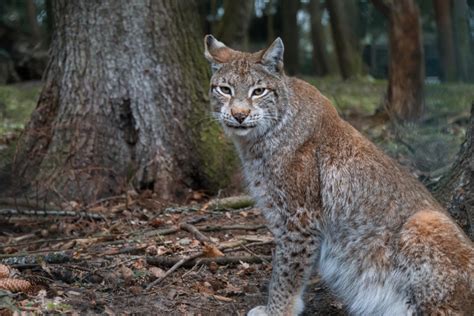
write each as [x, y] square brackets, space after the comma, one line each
[246, 89]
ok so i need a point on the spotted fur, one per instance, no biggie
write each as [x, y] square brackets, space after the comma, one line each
[334, 201]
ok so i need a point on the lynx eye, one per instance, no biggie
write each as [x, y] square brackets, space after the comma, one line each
[258, 92]
[224, 90]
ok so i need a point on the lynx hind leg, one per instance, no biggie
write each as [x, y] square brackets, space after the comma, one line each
[439, 261]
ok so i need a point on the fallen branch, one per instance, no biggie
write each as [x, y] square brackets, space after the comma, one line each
[189, 262]
[35, 257]
[233, 202]
[230, 227]
[8, 212]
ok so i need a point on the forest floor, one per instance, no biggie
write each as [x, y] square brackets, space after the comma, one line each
[121, 259]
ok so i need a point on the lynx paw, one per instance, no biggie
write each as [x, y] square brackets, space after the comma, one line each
[258, 311]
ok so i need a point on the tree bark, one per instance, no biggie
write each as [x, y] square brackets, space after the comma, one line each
[318, 39]
[345, 39]
[124, 102]
[234, 26]
[442, 9]
[290, 35]
[404, 99]
[456, 189]
[462, 39]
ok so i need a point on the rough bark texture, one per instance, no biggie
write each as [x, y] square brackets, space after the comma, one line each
[404, 100]
[290, 35]
[456, 189]
[462, 39]
[442, 9]
[318, 39]
[235, 23]
[124, 101]
[345, 40]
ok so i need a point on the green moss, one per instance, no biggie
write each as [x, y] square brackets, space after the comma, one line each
[218, 159]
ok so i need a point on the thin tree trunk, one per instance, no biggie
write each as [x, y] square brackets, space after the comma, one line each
[318, 39]
[345, 39]
[49, 21]
[290, 35]
[404, 99]
[270, 22]
[456, 189]
[124, 101]
[462, 37]
[233, 28]
[442, 9]
[32, 21]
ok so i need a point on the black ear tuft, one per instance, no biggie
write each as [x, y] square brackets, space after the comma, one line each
[273, 56]
[209, 39]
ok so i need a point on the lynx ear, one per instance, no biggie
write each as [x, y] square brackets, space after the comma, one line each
[273, 56]
[216, 52]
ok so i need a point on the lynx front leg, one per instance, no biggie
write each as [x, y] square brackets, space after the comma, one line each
[293, 259]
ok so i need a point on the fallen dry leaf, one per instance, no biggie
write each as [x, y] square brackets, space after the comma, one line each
[211, 251]
[157, 272]
[126, 273]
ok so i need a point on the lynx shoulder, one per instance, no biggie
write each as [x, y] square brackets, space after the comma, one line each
[333, 200]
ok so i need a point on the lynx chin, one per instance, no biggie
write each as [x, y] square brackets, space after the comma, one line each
[334, 201]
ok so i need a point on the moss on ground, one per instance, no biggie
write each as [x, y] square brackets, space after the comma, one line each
[429, 146]
[16, 104]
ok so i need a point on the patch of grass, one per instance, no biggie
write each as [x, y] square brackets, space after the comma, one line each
[16, 104]
[430, 146]
[362, 95]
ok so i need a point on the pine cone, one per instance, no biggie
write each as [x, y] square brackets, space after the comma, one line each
[4, 271]
[14, 285]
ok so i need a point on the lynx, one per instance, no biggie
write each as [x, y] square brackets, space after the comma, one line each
[333, 200]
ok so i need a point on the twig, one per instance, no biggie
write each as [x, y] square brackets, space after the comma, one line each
[253, 244]
[230, 227]
[197, 234]
[100, 201]
[175, 266]
[189, 262]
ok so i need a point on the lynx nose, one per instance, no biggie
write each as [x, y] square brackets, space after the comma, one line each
[240, 114]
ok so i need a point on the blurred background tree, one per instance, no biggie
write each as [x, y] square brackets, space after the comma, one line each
[385, 64]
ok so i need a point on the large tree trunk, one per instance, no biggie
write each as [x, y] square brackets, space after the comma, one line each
[404, 100]
[442, 9]
[456, 189]
[124, 101]
[345, 39]
[290, 35]
[318, 39]
[462, 39]
[233, 28]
